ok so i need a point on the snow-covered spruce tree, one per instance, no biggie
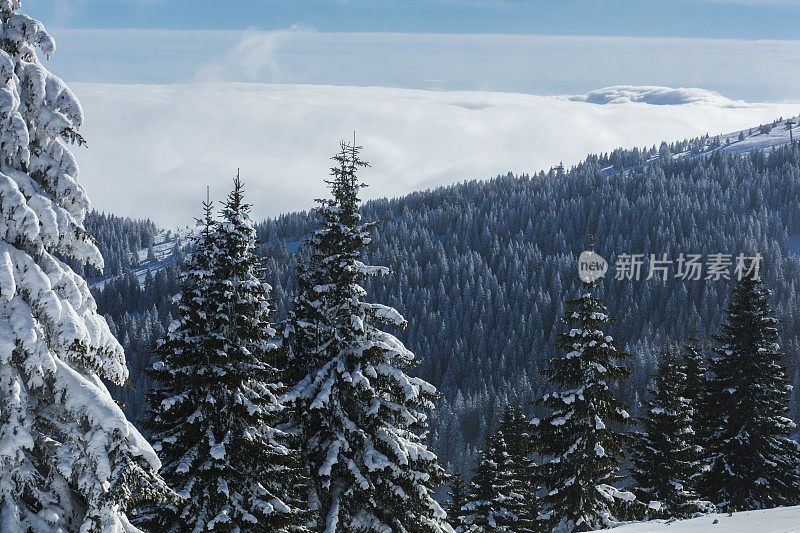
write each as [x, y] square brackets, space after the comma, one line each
[184, 353]
[516, 481]
[458, 493]
[482, 510]
[693, 366]
[665, 459]
[753, 462]
[69, 459]
[363, 419]
[502, 491]
[581, 441]
[215, 412]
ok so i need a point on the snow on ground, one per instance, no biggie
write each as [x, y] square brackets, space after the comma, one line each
[780, 520]
[764, 140]
[758, 137]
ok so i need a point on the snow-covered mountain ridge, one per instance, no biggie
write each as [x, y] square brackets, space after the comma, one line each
[764, 137]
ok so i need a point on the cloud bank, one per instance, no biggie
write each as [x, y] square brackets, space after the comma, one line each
[154, 148]
[623, 94]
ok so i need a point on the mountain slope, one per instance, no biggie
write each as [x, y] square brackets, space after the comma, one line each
[480, 269]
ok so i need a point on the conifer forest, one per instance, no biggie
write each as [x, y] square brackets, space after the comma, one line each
[610, 342]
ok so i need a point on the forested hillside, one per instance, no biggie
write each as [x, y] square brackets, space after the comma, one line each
[481, 269]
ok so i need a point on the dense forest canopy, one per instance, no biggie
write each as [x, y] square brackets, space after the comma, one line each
[483, 268]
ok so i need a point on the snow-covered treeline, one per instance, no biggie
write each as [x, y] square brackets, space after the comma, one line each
[483, 266]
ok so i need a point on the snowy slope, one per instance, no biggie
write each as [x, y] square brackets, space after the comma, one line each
[780, 520]
[162, 251]
[763, 137]
[753, 138]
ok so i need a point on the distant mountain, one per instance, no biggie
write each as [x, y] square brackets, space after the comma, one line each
[481, 269]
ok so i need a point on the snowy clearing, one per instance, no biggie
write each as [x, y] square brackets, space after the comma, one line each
[780, 520]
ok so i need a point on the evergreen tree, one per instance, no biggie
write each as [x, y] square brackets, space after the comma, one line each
[753, 461]
[480, 514]
[459, 497]
[432, 240]
[693, 366]
[516, 480]
[363, 419]
[69, 459]
[502, 492]
[665, 458]
[582, 438]
[215, 411]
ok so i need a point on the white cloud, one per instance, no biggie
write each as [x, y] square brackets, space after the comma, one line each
[154, 148]
[253, 58]
[623, 94]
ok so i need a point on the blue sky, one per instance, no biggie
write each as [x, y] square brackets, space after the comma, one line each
[741, 19]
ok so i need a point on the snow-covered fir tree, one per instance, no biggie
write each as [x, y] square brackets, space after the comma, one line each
[69, 459]
[215, 412]
[363, 418]
[502, 491]
[666, 462]
[582, 438]
[189, 340]
[488, 296]
[694, 368]
[480, 514]
[753, 460]
[517, 480]
[458, 495]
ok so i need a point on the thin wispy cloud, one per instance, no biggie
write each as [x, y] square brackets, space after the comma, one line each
[254, 57]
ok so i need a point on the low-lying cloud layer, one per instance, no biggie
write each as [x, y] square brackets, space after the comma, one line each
[154, 148]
